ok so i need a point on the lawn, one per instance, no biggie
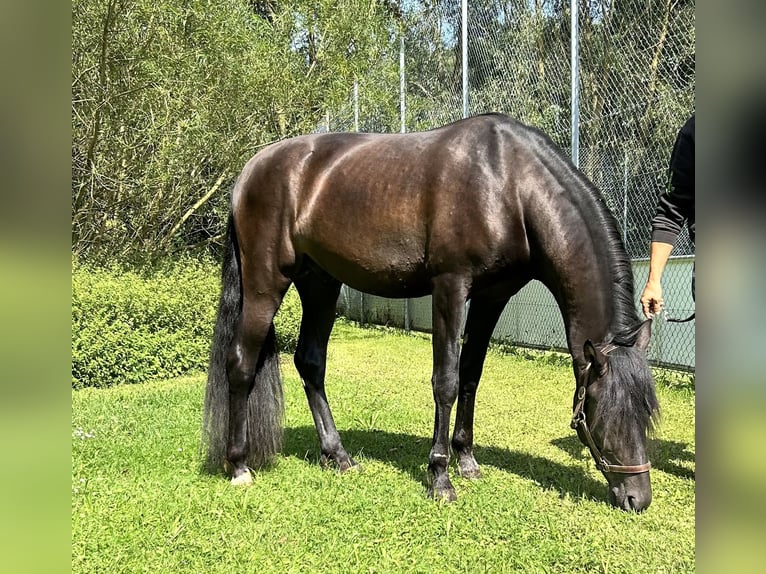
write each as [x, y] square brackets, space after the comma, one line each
[140, 504]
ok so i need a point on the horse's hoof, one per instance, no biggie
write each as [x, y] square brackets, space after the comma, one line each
[472, 473]
[244, 479]
[343, 465]
[349, 465]
[443, 494]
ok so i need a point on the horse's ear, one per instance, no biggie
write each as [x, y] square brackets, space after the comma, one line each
[596, 358]
[644, 335]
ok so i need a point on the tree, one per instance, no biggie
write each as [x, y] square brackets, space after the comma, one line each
[171, 97]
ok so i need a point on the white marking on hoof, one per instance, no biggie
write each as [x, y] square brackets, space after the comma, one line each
[244, 479]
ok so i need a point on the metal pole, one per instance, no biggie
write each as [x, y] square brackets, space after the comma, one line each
[575, 85]
[464, 57]
[356, 129]
[625, 200]
[402, 110]
[402, 107]
[464, 36]
[356, 106]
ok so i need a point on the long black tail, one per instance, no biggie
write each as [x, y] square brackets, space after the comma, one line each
[265, 401]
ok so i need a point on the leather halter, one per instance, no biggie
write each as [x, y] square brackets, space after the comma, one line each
[578, 420]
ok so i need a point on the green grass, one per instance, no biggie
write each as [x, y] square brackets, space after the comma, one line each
[139, 503]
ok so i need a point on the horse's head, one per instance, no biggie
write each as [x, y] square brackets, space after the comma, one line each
[614, 407]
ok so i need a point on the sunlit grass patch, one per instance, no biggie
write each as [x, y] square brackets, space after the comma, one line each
[139, 502]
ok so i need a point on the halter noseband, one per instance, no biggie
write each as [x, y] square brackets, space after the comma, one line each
[578, 421]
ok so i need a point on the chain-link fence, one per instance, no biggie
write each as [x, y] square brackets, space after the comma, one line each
[618, 116]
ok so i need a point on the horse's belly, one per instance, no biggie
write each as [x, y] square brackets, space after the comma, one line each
[391, 270]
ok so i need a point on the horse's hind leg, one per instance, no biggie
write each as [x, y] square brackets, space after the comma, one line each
[243, 363]
[449, 293]
[319, 294]
[482, 318]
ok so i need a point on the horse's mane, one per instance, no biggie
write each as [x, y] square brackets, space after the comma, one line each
[628, 397]
[625, 316]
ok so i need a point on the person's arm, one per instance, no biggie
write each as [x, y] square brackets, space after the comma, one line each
[673, 209]
[651, 298]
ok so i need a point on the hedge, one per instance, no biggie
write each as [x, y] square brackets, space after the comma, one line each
[129, 327]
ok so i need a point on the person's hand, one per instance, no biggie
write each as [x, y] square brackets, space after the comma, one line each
[651, 299]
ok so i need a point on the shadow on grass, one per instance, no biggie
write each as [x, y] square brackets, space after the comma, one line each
[409, 453]
[662, 453]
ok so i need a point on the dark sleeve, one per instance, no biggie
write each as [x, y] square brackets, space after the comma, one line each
[676, 206]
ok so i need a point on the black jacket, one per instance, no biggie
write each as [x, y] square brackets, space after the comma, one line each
[677, 205]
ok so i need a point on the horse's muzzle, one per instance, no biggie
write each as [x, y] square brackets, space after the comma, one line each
[632, 493]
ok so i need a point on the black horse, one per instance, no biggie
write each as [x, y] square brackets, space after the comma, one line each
[471, 211]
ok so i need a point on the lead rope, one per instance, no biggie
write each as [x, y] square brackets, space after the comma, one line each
[670, 319]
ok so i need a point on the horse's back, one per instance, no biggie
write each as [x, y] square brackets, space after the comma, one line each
[386, 212]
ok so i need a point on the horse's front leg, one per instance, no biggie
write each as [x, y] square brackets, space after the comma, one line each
[482, 318]
[449, 295]
[319, 292]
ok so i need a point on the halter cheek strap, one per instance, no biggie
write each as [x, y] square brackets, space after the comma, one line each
[578, 422]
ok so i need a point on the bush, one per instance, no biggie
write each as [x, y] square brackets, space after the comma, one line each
[288, 321]
[129, 327]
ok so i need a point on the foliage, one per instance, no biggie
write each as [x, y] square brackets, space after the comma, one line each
[287, 322]
[140, 504]
[129, 326]
[171, 97]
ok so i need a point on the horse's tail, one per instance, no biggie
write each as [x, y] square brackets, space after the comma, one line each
[265, 401]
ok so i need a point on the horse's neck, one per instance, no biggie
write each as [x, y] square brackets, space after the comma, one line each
[588, 311]
[581, 283]
[575, 239]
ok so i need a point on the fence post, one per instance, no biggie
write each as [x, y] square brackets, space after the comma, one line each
[575, 103]
[625, 200]
[356, 105]
[356, 129]
[464, 36]
[402, 107]
[402, 110]
[464, 57]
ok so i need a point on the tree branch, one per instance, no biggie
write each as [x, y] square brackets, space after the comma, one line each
[193, 208]
[660, 45]
[102, 78]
